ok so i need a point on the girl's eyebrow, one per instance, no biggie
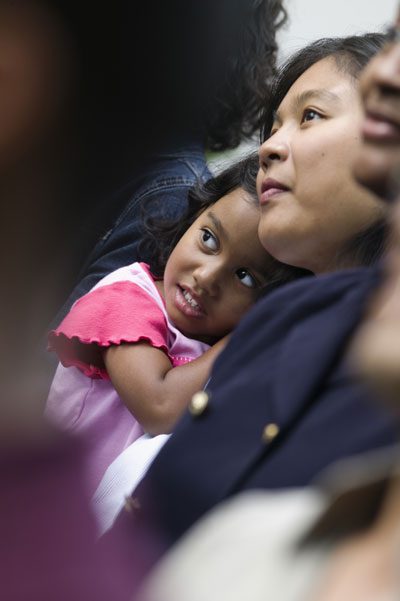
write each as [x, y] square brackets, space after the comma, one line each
[217, 224]
[301, 99]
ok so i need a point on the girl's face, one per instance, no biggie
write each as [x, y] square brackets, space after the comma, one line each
[215, 272]
[310, 204]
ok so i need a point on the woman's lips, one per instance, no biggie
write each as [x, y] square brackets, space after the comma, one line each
[270, 189]
[270, 193]
[380, 129]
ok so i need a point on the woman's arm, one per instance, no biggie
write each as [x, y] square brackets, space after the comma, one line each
[154, 391]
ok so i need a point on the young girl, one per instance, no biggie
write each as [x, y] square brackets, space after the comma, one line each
[141, 343]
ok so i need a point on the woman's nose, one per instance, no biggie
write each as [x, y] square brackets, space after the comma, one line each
[275, 148]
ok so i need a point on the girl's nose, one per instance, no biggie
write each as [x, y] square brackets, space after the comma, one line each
[275, 148]
[207, 277]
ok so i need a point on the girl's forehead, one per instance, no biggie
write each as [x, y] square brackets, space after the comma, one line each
[237, 200]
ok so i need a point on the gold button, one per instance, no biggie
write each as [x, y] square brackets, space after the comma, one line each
[131, 504]
[270, 432]
[199, 403]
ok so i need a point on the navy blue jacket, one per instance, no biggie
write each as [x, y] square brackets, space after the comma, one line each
[282, 406]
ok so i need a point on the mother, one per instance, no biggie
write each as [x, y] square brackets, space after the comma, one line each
[281, 404]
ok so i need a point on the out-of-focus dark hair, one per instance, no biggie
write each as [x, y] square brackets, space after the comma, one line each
[236, 113]
[351, 55]
[161, 236]
[244, 53]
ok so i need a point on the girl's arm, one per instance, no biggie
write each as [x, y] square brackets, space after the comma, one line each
[154, 391]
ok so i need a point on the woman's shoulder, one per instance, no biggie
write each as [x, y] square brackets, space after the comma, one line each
[302, 299]
[324, 288]
[338, 280]
[313, 310]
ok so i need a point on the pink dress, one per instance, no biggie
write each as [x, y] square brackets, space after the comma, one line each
[125, 306]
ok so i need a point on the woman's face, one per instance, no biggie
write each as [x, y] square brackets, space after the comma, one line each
[311, 207]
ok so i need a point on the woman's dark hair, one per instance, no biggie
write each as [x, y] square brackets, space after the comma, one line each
[351, 55]
[367, 247]
[161, 236]
[236, 112]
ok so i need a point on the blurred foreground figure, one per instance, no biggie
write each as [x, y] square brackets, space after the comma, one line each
[83, 92]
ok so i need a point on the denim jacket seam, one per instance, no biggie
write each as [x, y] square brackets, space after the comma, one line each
[136, 199]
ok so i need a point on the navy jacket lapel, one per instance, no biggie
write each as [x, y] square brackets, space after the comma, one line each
[308, 353]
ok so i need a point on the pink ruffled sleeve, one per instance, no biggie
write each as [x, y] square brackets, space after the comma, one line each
[112, 314]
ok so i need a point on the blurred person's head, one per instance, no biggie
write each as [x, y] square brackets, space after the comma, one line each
[37, 89]
[36, 69]
[235, 113]
[37, 95]
[378, 163]
[313, 214]
[376, 348]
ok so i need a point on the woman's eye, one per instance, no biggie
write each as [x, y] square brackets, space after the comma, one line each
[310, 115]
[246, 278]
[273, 130]
[209, 240]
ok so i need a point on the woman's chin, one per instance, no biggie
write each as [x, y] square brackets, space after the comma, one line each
[279, 237]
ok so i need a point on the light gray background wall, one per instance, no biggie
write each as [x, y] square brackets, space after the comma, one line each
[311, 19]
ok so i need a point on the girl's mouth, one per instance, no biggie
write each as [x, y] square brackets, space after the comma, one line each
[189, 298]
[187, 304]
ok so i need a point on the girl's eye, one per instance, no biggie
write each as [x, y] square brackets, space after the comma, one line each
[209, 240]
[310, 115]
[246, 278]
